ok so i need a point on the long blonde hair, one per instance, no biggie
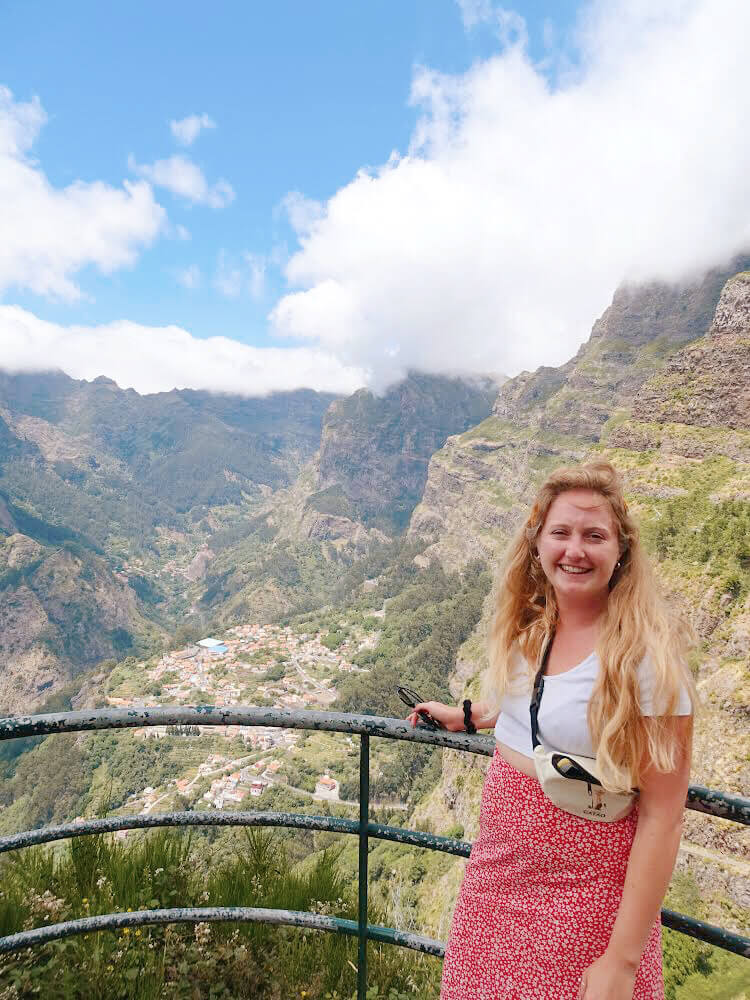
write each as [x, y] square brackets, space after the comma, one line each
[637, 621]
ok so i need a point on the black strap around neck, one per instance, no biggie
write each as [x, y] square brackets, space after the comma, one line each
[538, 689]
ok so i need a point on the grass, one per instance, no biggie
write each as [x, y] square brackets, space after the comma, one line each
[499, 494]
[729, 980]
[493, 429]
[618, 418]
[98, 874]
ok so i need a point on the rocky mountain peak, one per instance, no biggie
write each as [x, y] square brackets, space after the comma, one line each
[478, 483]
[707, 383]
[528, 391]
[732, 314]
[374, 450]
[643, 325]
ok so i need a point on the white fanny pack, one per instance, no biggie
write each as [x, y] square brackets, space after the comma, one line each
[569, 780]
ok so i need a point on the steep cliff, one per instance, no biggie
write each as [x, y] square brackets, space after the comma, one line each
[126, 462]
[479, 482]
[356, 492]
[677, 426]
[708, 383]
[116, 496]
[374, 450]
[62, 610]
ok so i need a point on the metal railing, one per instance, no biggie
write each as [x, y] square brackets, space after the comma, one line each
[731, 807]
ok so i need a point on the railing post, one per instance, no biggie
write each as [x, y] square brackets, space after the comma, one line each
[364, 817]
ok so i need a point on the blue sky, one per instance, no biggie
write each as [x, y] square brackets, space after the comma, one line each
[302, 94]
[300, 98]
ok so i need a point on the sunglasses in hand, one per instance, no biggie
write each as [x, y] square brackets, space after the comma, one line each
[411, 698]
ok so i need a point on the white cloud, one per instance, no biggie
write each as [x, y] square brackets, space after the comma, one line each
[185, 179]
[190, 277]
[474, 12]
[48, 234]
[303, 213]
[157, 359]
[509, 26]
[243, 275]
[182, 232]
[497, 240]
[187, 130]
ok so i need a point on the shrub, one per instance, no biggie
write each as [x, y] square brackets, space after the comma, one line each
[222, 961]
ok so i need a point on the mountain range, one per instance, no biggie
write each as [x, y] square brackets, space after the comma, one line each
[129, 521]
[125, 515]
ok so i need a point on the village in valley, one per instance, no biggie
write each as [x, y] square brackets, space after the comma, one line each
[252, 664]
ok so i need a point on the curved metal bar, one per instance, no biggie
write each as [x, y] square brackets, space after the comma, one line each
[217, 914]
[113, 824]
[706, 800]
[700, 798]
[416, 838]
[727, 940]
[299, 821]
[207, 715]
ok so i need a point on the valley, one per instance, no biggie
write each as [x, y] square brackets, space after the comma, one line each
[311, 552]
[252, 665]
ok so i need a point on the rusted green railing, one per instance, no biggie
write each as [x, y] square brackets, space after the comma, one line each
[731, 807]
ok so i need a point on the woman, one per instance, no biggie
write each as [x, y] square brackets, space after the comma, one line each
[554, 906]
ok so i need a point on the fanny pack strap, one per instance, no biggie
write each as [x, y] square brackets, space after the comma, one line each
[538, 690]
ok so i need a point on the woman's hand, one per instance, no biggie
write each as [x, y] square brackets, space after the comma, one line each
[449, 717]
[608, 978]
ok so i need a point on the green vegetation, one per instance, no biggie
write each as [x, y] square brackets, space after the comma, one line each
[334, 639]
[289, 575]
[424, 626]
[397, 557]
[618, 418]
[146, 590]
[499, 494]
[727, 980]
[99, 875]
[493, 429]
[17, 575]
[716, 537]
[64, 776]
[275, 672]
[331, 501]
[47, 786]
[683, 956]
[255, 658]
[694, 970]
[422, 630]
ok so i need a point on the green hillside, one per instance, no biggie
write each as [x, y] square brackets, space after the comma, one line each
[324, 600]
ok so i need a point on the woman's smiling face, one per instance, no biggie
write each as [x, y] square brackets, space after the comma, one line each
[578, 544]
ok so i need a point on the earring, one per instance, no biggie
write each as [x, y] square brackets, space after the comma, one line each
[618, 564]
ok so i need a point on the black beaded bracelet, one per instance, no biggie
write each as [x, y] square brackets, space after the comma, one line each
[468, 724]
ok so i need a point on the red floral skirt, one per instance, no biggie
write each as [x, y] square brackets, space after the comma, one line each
[539, 898]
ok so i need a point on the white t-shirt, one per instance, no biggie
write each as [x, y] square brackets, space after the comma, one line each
[562, 714]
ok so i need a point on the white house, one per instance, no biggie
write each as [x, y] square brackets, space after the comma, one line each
[213, 646]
